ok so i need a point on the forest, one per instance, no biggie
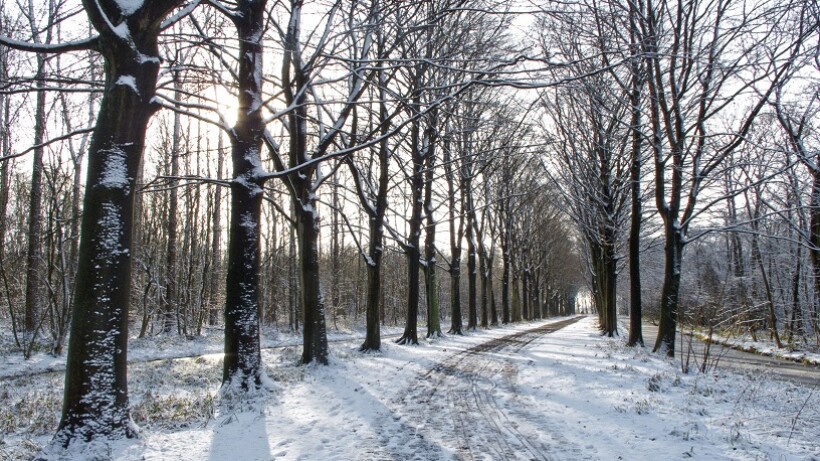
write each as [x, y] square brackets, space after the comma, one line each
[226, 167]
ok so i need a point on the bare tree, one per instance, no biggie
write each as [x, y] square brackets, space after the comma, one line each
[33, 307]
[798, 122]
[96, 392]
[698, 67]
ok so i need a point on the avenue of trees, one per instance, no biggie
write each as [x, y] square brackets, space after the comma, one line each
[173, 167]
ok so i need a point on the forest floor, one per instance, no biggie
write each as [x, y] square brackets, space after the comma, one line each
[524, 391]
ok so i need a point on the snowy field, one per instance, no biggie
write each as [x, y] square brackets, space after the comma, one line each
[503, 393]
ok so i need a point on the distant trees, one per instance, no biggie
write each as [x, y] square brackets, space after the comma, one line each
[589, 134]
[798, 121]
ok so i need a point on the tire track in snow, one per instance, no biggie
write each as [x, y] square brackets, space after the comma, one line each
[463, 411]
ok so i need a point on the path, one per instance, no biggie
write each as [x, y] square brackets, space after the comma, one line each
[465, 417]
[725, 357]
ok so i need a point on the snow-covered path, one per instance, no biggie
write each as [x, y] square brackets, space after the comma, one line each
[522, 391]
[466, 411]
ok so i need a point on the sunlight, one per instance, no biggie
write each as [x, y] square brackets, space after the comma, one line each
[226, 104]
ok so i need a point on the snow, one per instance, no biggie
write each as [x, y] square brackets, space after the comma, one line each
[111, 232]
[129, 81]
[248, 222]
[144, 59]
[114, 173]
[567, 395]
[122, 31]
[129, 7]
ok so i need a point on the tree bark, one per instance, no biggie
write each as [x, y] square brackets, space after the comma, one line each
[430, 282]
[296, 80]
[505, 268]
[313, 329]
[636, 83]
[610, 285]
[472, 282]
[485, 291]
[242, 369]
[814, 223]
[412, 248]
[170, 309]
[372, 341]
[456, 232]
[635, 306]
[525, 299]
[673, 252]
[35, 220]
[216, 242]
[95, 402]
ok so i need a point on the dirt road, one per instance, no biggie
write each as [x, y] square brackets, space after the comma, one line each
[725, 357]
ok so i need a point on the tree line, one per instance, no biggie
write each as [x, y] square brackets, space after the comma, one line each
[315, 164]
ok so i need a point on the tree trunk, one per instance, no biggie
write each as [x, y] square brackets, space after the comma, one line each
[525, 300]
[313, 329]
[456, 232]
[170, 309]
[505, 276]
[636, 83]
[433, 307]
[472, 282]
[294, 291]
[242, 368]
[635, 307]
[814, 222]
[493, 305]
[410, 335]
[412, 250]
[372, 340]
[95, 402]
[375, 305]
[673, 252]
[430, 282]
[536, 304]
[297, 80]
[35, 220]
[485, 291]
[515, 304]
[610, 286]
[335, 251]
[216, 241]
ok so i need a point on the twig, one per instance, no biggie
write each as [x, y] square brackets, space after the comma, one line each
[797, 416]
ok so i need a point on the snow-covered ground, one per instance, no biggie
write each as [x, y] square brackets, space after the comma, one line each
[495, 394]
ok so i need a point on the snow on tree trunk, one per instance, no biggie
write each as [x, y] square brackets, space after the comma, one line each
[95, 403]
[242, 369]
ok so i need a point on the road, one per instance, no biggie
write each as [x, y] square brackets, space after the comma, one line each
[461, 400]
[727, 358]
